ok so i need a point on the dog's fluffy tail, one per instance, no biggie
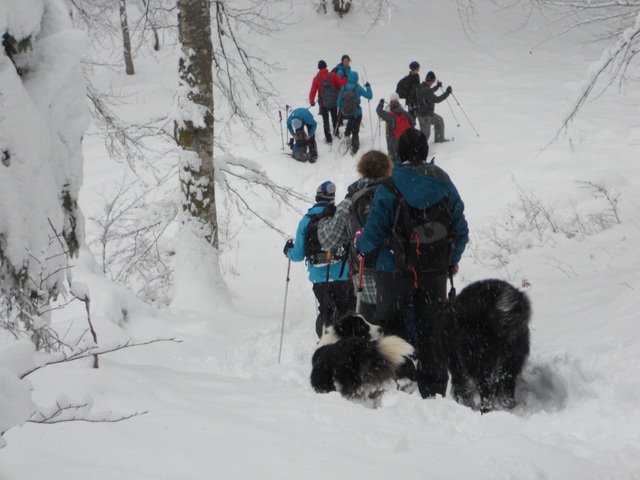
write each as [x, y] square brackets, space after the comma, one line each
[512, 312]
[394, 349]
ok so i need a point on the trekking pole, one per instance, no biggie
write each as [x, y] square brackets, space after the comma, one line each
[360, 288]
[284, 310]
[452, 291]
[451, 108]
[286, 110]
[281, 134]
[326, 292]
[369, 102]
[466, 116]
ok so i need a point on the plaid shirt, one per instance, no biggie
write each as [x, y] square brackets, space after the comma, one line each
[332, 233]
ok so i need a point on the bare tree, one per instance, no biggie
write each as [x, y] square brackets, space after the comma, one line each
[619, 29]
[194, 131]
[126, 38]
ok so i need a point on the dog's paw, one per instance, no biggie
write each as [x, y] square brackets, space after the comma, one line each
[406, 385]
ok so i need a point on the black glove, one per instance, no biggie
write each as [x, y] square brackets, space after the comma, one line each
[439, 84]
[449, 89]
[291, 143]
[367, 85]
[288, 246]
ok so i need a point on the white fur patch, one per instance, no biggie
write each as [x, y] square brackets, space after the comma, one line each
[394, 349]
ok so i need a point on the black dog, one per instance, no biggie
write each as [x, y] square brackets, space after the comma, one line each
[487, 341]
[357, 360]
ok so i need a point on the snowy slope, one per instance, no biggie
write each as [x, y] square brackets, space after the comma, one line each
[219, 404]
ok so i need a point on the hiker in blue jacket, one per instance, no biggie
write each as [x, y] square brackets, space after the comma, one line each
[405, 293]
[329, 274]
[353, 114]
[300, 118]
[343, 69]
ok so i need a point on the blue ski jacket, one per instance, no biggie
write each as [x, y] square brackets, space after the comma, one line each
[422, 185]
[306, 117]
[360, 92]
[317, 273]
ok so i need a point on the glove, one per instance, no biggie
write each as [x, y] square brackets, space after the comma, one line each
[356, 237]
[313, 104]
[288, 246]
[367, 85]
[453, 269]
[438, 85]
[291, 143]
[381, 101]
[449, 89]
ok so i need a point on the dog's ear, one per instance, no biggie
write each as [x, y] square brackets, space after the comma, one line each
[352, 325]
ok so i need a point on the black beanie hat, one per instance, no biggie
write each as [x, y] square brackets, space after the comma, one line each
[413, 146]
[431, 77]
[413, 65]
[322, 64]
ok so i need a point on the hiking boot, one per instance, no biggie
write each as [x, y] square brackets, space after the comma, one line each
[328, 140]
[313, 159]
[443, 140]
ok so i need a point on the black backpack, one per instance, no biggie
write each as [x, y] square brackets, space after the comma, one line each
[403, 88]
[350, 102]
[313, 250]
[329, 96]
[422, 239]
[360, 208]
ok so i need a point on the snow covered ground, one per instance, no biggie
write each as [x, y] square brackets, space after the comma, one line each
[218, 404]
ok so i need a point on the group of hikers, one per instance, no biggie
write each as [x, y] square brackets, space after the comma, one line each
[387, 250]
[339, 95]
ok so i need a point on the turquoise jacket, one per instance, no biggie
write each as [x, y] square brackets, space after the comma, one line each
[360, 92]
[317, 273]
[422, 185]
[306, 117]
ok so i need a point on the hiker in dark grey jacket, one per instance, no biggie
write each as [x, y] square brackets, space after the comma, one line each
[426, 114]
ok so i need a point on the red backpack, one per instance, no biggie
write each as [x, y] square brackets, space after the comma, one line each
[401, 124]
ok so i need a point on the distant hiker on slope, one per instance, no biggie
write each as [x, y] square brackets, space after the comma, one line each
[300, 118]
[397, 120]
[350, 110]
[407, 87]
[327, 86]
[426, 108]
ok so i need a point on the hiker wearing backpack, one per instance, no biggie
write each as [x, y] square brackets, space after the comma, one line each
[351, 215]
[350, 110]
[328, 270]
[343, 69]
[296, 123]
[397, 120]
[407, 88]
[417, 252]
[327, 86]
[427, 100]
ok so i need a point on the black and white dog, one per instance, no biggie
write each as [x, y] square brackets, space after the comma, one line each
[487, 342]
[356, 359]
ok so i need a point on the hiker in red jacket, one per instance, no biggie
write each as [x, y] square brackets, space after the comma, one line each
[398, 120]
[327, 86]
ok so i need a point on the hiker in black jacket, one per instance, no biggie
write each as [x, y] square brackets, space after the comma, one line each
[427, 100]
[412, 84]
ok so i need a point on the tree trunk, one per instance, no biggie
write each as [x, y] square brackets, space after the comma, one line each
[126, 38]
[194, 131]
